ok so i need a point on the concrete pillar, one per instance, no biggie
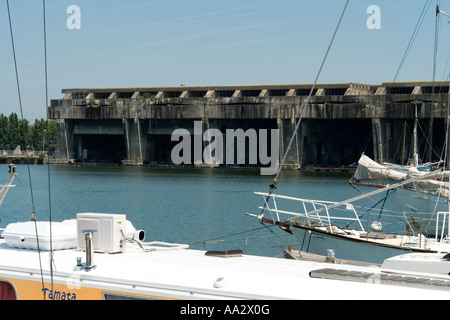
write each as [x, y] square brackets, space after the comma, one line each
[387, 134]
[135, 142]
[377, 140]
[383, 132]
[205, 141]
[430, 139]
[286, 129]
[304, 137]
[64, 151]
[447, 128]
[306, 153]
[205, 127]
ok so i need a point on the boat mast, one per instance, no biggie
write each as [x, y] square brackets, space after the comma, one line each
[404, 137]
[5, 188]
[442, 12]
[415, 153]
[273, 185]
[448, 116]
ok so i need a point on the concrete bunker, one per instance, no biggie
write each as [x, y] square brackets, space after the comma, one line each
[98, 142]
[342, 120]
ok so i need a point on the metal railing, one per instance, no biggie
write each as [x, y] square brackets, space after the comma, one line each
[445, 218]
[322, 217]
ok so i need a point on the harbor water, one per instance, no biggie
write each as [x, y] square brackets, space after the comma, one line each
[202, 207]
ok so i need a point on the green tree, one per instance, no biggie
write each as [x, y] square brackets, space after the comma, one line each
[3, 132]
[39, 136]
[13, 131]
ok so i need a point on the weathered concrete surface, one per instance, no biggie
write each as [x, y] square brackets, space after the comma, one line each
[341, 121]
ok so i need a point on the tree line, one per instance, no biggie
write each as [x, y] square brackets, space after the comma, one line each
[39, 136]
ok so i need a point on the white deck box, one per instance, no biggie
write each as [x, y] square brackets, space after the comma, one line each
[23, 235]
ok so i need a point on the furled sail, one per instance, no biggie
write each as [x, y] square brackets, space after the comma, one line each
[370, 170]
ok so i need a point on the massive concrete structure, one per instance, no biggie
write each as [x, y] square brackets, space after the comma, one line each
[133, 126]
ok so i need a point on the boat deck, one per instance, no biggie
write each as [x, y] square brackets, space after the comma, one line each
[190, 274]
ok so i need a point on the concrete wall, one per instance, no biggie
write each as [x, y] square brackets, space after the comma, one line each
[341, 120]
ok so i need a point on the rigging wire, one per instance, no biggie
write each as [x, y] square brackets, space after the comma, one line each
[294, 136]
[222, 238]
[413, 36]
[228, 235]
[447, 121]
[427, 141]
[48, 162]
[436, 40]
[33, 214]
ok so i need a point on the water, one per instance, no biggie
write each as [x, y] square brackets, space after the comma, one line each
[170, 204]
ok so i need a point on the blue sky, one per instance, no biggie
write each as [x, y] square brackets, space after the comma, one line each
[125, 43]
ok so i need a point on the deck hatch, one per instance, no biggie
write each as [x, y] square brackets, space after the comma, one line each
[381, 278]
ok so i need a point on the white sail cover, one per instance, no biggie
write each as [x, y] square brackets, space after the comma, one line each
[371, 170]
[434, 182]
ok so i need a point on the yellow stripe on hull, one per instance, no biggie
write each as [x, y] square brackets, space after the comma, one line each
[33, 290]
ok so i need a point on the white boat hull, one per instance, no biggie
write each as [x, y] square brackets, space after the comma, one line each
[414, 206]
[419, 204]
[317, 242]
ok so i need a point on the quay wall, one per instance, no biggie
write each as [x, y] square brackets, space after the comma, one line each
[133, 126]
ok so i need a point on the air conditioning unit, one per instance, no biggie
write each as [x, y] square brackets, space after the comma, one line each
[108, 231]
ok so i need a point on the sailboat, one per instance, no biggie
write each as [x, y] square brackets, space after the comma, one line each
[320, 226]
[353, 232]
